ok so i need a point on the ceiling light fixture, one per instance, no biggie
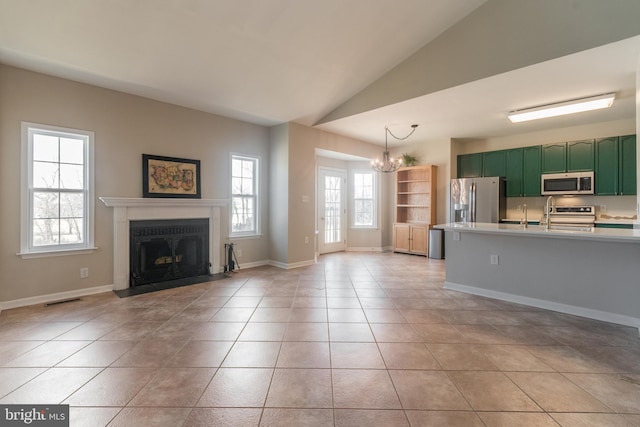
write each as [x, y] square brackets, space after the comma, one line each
[562, 108]
[389, 164]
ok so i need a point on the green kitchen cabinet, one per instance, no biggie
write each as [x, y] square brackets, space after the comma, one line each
[554, 158]
[580, 155]
[514, 172]
[470, 165]
[607, 171]
[627, 172]
[532, 169]
[616, 166]
[494, 163]
[612, 225]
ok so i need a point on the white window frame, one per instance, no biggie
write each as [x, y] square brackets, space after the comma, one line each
[375, 200]
[27, 249]
[256, 194]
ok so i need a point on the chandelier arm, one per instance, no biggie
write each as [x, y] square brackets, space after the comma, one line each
[389, 164]
[400, 139]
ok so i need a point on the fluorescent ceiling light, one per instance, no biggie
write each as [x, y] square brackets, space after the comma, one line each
[561, 108]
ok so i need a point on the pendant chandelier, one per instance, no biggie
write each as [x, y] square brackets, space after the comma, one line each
[388, 163]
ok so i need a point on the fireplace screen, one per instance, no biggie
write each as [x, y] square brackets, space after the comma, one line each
[163, 250]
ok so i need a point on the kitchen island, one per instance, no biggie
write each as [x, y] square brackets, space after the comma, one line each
[590, 272]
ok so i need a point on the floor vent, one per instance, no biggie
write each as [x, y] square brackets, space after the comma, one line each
[62, 301]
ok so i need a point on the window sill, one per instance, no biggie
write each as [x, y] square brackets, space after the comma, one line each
[59, 252]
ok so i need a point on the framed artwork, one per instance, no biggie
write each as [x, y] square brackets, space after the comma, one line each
[170, 177]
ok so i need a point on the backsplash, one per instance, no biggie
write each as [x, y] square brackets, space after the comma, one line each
[609, 206]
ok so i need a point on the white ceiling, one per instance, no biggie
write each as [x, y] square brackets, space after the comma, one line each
[479, 109]
[275, 61]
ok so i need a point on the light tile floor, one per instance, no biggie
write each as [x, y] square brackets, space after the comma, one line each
[355, 340]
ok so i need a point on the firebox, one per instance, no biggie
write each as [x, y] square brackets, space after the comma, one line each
[166, 250]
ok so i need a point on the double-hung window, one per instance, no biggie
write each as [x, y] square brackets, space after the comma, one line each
[364, 199]
[57, 190]
[244, 195]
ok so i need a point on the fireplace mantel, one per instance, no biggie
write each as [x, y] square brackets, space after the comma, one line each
[126, 209]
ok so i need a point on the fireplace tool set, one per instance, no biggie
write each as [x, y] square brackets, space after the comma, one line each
[231, 261]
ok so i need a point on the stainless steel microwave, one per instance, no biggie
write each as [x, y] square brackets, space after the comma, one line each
[567, 183]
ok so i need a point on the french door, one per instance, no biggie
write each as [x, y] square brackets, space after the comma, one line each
[332, 210]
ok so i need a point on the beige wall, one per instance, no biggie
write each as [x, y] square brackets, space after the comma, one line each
[125, 127]
[279, 194]
[302, 183]
[360, 239]
[436, 153]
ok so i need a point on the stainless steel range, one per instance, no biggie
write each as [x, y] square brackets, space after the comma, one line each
[572, 216]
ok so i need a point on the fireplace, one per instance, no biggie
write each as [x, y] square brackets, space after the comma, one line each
[127, 210]
[168, 250]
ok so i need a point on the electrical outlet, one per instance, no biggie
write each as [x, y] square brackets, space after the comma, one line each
[238, 252]
[494, 259]
[306, 240]
[456, 235]
[84, 272]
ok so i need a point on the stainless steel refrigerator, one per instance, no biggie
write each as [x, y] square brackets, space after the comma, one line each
[478, 199]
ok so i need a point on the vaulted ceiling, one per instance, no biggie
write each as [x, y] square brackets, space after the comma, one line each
[456, 67]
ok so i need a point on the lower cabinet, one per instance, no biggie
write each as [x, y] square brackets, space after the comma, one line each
[411, 238]
[613, 225]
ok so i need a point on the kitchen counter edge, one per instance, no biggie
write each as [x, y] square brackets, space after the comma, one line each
[594, 233]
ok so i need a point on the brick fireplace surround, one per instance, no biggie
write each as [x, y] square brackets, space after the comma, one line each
[133, 209]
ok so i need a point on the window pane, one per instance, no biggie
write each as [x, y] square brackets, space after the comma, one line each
[72, 205]
[243, 214]
[71, 230]
[236, 185]
[71, 151]
[45, 205]
[45, 175]
[45, 148]
[236, 167]
[46, 232]
[247, 169]
[72, 176]
[247, 186]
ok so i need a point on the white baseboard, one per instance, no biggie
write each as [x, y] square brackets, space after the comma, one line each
[59, 296]
[548, 305]
[252, 264]
[293, 265]
[364, 249]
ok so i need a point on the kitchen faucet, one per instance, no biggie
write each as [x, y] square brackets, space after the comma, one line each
[524, 221]
[548, 211]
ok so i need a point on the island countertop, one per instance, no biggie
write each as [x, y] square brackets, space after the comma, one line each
[559, 232]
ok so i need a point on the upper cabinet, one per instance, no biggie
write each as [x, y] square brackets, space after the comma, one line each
[554, 158]
[515, 172]
[470, 165]
[494, 163]
[612, 159]
[616, 165]
[628, 172]
[580, 156]
[575, 156]
[607, 166]
[532, 169]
